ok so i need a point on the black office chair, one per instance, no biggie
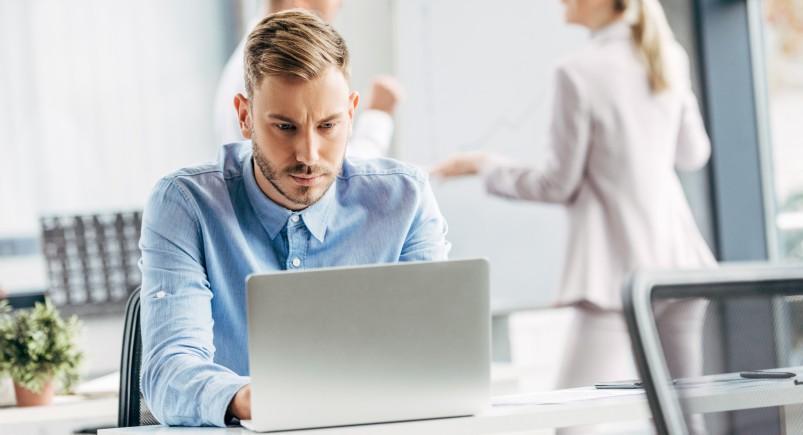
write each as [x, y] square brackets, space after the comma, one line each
[24, 300]
[91, 261]
[132, 410]
[768, 293]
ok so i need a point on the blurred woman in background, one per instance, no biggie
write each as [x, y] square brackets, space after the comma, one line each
[624, 118]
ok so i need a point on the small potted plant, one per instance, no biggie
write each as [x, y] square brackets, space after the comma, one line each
[37, 349]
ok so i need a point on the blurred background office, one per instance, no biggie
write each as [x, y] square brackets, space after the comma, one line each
[100, 98]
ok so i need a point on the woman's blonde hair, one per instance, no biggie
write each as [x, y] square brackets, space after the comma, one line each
[652, 35]
[292, 43]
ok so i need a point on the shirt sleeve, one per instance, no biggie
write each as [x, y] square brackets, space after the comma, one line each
[180, 381]
[426, 239]
[558, 175]
[693, 147]
[372, 134]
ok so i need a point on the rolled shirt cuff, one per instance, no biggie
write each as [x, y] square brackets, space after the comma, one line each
[218, 396]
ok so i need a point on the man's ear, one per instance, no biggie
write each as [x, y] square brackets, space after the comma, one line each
[354, 101]
[243, 107]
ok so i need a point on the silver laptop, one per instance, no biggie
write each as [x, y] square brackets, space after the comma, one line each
[357, 345]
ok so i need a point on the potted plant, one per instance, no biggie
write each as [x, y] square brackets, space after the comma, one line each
[37, 349]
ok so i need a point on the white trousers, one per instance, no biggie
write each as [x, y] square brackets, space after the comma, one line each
[599, 348]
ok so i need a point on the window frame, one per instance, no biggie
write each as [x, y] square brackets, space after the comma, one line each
[730, 55]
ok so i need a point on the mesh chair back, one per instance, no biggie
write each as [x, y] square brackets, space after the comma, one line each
[132, 410]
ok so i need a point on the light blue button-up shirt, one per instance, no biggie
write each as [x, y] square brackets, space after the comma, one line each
[206, 228]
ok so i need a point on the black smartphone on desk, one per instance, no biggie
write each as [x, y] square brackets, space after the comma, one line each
[766, 374]
[634, 384]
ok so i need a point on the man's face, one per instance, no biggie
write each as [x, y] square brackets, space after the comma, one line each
[299, 130]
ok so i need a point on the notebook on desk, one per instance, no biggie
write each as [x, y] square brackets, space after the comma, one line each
[344, 346]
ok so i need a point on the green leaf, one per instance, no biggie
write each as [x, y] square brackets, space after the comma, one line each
[37, 345]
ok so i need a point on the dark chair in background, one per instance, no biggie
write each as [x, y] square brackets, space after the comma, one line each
[132, 410]
[24, 300]
[91, 261]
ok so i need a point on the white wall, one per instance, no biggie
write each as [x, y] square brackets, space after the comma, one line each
[478, 76]
[366, 25]
[99, 101]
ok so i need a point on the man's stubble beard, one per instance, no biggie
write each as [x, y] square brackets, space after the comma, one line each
[272, 175]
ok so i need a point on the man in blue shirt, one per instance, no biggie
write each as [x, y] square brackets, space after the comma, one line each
[286, 199]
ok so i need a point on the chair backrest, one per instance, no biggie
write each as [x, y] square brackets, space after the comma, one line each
[24, 300]
[91, 261]
[132, 410]
[693, 366]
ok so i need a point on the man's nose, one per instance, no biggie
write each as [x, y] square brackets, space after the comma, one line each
[308, 149]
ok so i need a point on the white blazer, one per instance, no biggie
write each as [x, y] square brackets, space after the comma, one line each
[614, 147]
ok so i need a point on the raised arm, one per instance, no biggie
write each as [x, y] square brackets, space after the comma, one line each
[693, 146]
[557, 177]
[181, 383]
[373, 129]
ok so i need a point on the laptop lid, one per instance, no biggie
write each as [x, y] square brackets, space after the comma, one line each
[354, 345]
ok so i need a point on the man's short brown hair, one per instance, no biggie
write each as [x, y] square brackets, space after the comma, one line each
[292, 43]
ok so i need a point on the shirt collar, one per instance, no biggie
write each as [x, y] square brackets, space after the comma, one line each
[316, 216]
[274, 217]
[615, 30]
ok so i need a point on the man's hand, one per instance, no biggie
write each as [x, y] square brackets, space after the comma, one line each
[240, 405]
[385, 94]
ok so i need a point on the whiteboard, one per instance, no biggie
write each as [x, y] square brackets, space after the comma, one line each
[477, 75]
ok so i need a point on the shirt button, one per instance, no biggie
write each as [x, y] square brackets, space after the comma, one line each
[296, 262]
[294, 218]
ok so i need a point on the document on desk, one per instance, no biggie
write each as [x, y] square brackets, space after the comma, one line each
[559, 397]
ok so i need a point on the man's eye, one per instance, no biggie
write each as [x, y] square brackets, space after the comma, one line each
[328, 125]
[285, 126]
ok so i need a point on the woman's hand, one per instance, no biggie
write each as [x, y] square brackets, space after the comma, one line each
[462, 164]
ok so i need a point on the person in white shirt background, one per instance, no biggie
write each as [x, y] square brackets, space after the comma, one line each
[624, 118]
[373, 129]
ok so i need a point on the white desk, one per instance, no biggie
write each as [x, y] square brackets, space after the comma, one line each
[499, 419]
[65, 415]
[543, 411]
[94, 405]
